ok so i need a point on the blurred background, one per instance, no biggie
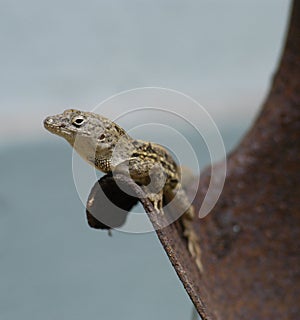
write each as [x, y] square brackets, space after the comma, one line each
[61, 54]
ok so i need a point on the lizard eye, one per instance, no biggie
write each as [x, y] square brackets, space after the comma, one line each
[78, 121]
[102, 137]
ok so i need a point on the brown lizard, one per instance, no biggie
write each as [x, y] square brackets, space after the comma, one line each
[108, 147]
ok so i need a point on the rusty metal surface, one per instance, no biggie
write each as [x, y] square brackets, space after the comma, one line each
[250, 240]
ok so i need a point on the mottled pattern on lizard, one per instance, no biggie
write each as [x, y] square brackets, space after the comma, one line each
[108, 147]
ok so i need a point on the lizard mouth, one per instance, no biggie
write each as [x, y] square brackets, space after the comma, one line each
[58, 129]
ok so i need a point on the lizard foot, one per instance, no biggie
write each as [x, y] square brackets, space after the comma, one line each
[192, 239]
[156, 199]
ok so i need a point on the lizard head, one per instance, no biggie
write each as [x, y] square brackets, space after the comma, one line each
[87, 132]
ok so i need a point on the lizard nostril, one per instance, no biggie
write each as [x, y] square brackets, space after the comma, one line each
[48, 121]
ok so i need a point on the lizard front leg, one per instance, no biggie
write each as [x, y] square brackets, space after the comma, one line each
[152, 178]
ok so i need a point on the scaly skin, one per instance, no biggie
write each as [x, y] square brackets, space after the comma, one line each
[108, 147]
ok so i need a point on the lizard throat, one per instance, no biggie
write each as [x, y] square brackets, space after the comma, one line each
[102, 164]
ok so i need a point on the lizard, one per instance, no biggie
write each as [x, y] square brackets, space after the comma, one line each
[109, 148]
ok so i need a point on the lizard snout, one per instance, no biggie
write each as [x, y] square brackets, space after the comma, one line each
[48, 121]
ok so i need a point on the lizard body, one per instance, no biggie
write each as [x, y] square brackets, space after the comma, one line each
[107, 146]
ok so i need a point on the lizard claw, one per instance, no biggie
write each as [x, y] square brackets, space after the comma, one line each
[156, 200]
